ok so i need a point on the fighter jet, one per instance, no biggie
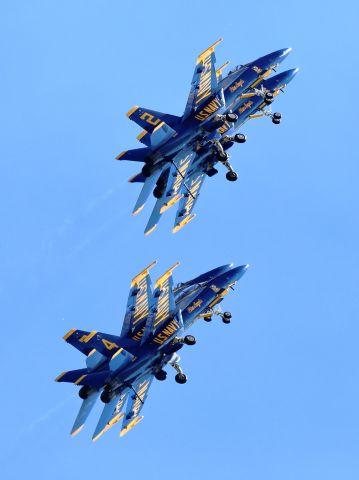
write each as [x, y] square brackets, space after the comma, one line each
[181, 151]
[120, 368]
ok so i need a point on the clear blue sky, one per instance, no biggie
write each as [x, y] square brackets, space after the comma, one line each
[272, 396]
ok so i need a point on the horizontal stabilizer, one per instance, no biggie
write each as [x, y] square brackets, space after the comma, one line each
[72, 376]
[83, 377]
[150, 119]
[84, 412]
[134, 155]
[138, 178]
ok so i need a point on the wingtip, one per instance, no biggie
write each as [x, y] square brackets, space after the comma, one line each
[135, 212]
[147, 232]
[58, 378]
[77, 431]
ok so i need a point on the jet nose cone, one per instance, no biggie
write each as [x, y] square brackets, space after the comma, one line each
[238, 272]
[284, 52]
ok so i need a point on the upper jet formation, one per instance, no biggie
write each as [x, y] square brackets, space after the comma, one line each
[180, 152]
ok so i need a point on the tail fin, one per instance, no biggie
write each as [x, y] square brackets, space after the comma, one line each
[150, 119]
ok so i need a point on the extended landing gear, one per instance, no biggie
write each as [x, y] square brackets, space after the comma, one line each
[174, 362]
[231, 117]
[268, 98]
[276, 118]
[161, 375]
[189, 340]
[223, 157]
[181, 378]
[231, 176]
[226, 316]
[240, 138]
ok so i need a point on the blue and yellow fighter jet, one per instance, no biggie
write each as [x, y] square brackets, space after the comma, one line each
[181, 151]
[120, 369]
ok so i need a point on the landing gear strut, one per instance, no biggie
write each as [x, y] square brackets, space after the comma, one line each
[223, 157]
[174, 362]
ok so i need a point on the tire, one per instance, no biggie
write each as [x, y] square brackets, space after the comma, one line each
[231, 117]
[277, 115]
[231, 176]
[161, 375]
[207, 319]
[181, 378]
[268, 99]
[189, 340]
[240, 138]
[275, 121]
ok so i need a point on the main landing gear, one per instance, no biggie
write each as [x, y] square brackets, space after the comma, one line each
[174, 361]
[223, 157]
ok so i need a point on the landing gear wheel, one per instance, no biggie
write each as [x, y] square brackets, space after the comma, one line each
[207, 319]
[161, 375]
[231, 176]
[240, 138]
[226, 318]
[275, 121]
[146, 171]
[106, 397]
[269, 97]
[189, 340]
[83, 393]
[181, 378]
[277, 115]
[231, 117]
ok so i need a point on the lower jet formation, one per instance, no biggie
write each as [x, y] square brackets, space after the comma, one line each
[181, 151]
[120, 369]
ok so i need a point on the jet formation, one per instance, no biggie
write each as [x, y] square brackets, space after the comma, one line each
[120, 368]
[181, 151]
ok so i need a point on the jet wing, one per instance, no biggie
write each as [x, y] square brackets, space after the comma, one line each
[176, 178]
[135, 403]
[164, 304]
[139, 302]
[188, 201]
[111, 414]
[204, 81]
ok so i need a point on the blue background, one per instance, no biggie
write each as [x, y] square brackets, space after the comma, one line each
[274, 395]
